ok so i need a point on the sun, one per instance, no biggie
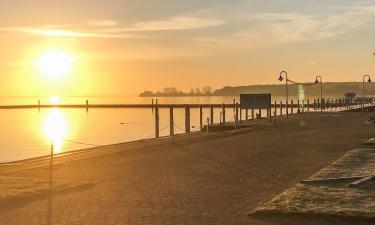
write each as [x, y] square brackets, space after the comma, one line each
[55, 63]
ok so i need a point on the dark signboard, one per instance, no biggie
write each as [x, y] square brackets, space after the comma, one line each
[255, 101]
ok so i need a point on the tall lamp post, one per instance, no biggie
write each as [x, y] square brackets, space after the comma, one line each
[321, 91]
[281, 78]
[363, 89]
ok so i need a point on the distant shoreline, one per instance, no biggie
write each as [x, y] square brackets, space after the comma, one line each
[329, 89]
[175, 95]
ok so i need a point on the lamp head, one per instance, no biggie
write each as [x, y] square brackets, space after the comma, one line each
[281, 78]
[369, 80]
[316, 81]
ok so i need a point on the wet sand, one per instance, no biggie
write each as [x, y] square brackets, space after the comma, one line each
[197, 180]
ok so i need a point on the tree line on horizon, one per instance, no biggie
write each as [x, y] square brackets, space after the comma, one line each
[329, 89]
[174, 92]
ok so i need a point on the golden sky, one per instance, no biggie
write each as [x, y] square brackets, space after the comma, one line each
[125, 47]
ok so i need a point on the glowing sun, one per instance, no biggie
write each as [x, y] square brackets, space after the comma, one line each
[55, 63]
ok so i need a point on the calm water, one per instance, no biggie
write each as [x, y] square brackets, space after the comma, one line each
[27, 133]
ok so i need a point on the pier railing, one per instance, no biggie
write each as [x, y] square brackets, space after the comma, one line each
[278, 109]
[314, 104]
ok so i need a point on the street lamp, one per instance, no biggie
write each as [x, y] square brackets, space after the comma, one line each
[321, 91]
[281, 78]
[363, 89]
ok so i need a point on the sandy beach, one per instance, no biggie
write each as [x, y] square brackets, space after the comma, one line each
[218, 179]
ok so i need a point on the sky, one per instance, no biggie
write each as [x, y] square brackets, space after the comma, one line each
[126, 47]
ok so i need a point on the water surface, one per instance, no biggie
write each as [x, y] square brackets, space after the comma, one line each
[28, 133]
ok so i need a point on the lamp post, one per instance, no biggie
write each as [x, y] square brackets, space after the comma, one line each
[363, 89]
[281, 78]
[321, 91]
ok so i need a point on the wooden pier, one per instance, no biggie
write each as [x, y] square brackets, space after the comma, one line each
[279, 109]
[278, 104]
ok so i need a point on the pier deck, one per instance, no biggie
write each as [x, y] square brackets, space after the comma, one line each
[198, 180]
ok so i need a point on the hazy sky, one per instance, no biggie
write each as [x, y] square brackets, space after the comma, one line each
[124, 47]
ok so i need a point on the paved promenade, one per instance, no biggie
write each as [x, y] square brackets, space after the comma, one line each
[198, 180]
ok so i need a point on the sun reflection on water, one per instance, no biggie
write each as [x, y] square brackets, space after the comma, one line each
[55, 100]
[55, 127]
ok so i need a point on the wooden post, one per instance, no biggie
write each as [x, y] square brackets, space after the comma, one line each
[274, 118]
[335, 104]
[211, 114]
[152, 105]
[275, 106]
[157, 121]
[247, 114]
[236, 119]
[319, 105]
[308, 105]
[223, 112]
[171, 123]
[330, 105]
[187, 119]
[314, 105]
[260, 114]
[281, 108]
[252, 114]
[291, 107]
[240, 109]
[303, 105]
[341, 102]
[269, 114]
[234, 105]
[298, 111]
[208, 125]
[201, 116]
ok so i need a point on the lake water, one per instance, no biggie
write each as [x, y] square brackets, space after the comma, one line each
[27, 133]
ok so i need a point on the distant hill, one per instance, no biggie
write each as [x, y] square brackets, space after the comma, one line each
[329, 89]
